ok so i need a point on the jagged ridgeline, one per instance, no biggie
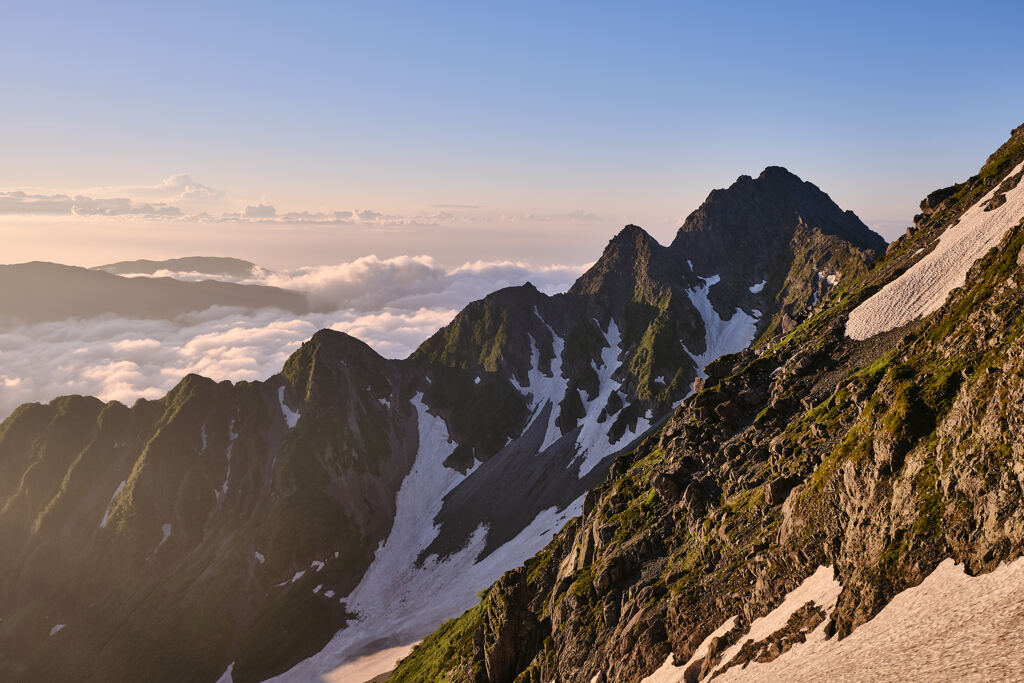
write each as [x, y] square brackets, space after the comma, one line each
[352, 503]
[764, 531]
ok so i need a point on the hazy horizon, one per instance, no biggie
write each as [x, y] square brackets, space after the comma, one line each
[322, 133]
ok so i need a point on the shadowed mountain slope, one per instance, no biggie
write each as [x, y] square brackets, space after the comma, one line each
[352, 503]
[808, 483]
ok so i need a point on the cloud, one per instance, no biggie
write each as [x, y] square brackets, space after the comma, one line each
[407, 282]
[391, 304]
[178, 187]
[260, 211]
[20, 202]
[180, 198]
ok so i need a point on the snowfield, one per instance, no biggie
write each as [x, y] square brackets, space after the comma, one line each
[592, 444]
[398, 602]
[926, 285]
[542, 389]
[720, 336]
[951, 627]
[291, 417]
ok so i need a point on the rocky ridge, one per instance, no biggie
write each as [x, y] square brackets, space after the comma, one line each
[874, 459]
[249, 527]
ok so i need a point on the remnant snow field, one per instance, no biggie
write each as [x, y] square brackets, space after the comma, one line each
[721, 337]
[951, 627]
[369, 667]
[821, 588]
[592, 444]
[399, 602]
[291, 417]
[924, 287]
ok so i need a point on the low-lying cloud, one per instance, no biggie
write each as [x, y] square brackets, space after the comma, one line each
[391, 304]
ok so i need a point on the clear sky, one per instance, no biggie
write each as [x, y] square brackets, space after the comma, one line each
[474, 129]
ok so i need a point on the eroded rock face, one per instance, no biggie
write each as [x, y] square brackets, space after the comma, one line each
[879, 458]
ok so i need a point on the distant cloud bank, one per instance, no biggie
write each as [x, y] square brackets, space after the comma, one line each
[181, 198]
[391, 304]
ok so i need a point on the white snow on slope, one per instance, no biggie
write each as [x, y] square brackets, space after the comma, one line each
[831, 278]
[400, 603]
[951, 627]
[290, 416]
[543, 389]
[110, 505]
[671, 674]
[368, 667]
[926, 285]
[720, 336]
[226, 676]
[259, 557]
[592, 443]
[57, 628]
[756, 289]
[821, 588]
[232, 436]
[166, 529]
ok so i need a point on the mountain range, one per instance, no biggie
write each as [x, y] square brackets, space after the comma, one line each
[352, 503]
[841, 502]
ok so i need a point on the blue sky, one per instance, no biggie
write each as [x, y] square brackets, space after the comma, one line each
[619, 111]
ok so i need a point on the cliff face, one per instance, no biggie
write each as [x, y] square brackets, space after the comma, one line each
[832, 467]
[352, 503]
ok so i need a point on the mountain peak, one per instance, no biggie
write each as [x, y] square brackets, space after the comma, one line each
[632, 233]
[778, 201]
[629, 257]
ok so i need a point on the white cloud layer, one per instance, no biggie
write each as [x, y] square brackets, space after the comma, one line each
[391, 304]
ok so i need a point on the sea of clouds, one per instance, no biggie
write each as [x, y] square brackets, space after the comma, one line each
[391, 304]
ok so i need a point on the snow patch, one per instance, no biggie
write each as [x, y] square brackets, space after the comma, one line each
[831, 278]
[476, 380]
[592, 444]
[721, 337]
[298, 575]
[669, 673]
[290, 416]
[110, 505]
[222, 492]
[821, 588]
[259, 557]
[226, 676]
[368, 667]
[543, 389]
[924, 287]
[399, 602]
[57, 628]
[316, 565]
[318, 587]
[166, 529]
[328, 594]
[756, 289]
[951, 627]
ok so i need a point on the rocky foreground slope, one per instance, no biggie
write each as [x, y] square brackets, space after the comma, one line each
[809, 480]
[352, 503]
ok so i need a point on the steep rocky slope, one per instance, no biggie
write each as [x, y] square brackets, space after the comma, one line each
[808, 482]
[352, 503]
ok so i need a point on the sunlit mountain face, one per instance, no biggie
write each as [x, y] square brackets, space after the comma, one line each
[510, 343]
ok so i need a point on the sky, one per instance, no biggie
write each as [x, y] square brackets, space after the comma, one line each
[473, 130]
